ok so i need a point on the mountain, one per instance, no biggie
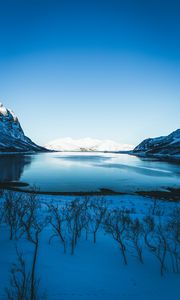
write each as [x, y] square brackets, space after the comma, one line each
[86, 144]
[167, 147]
[12, 138]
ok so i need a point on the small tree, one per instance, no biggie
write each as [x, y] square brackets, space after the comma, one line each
[77, 219]
[20, 280]
[117, 224]
[136, 236]
[57, 219]
[12, 206]
[32, 224]
[28, 215]
[173, 228]
[98, 209]
[156, 241]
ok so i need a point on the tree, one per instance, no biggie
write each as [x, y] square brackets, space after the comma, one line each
[13, 206]
[77, 219]
[173, 228]
[136, 236]
[20, 280]
[57, 219]
[98, 209]
[156, 241]
[117, 224]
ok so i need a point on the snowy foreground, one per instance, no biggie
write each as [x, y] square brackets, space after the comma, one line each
[95, 270]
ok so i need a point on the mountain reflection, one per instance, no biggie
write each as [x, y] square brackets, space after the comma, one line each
[12, 166]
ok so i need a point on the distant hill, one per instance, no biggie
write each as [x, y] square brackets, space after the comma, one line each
[86, 144]
[12, 137]
[167, 147]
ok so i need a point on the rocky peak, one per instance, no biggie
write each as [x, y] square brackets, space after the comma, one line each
[12, 137]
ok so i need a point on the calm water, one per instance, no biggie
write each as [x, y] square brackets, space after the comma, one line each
[75, 172]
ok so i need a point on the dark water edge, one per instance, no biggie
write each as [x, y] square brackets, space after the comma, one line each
[17, 186]
[158, 158]
[170, 194]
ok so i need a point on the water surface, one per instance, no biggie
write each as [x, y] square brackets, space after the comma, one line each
[88, 172]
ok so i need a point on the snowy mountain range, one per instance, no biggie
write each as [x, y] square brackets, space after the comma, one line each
[86, 144]
[12, 137]
[160, 147]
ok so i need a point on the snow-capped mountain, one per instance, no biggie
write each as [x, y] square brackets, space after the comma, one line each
[86, 144]
[161, 147]
[12, 138]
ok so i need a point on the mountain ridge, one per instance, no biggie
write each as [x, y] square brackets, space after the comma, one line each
[12, 137]
[86, 145]
[165, 147]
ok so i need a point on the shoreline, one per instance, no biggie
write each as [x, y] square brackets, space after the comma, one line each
[166, 158]
[169, 194]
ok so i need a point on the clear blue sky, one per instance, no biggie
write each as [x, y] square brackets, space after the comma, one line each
[103, 69]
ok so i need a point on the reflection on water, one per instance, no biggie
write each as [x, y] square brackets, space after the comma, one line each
[80, 172]
[83, 158]
[139, 170]
[12, 166]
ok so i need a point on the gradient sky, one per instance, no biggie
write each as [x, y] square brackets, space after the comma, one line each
[102, 69]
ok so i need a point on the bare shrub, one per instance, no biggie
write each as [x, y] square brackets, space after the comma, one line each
[57, 219]
[12, 205]
[117, 224]
[20, 281]
[32, 224]
[77, 218]
[136, 237]
[33, 229]
[173, 228]
[29, 215]
[156, 208]
[97, 212]
[156, 241]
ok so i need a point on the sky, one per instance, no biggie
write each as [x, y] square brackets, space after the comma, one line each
[100, 69]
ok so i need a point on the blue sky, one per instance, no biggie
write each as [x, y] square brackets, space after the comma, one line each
[103, 69]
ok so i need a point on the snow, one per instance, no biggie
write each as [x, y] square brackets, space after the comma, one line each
[86, 144]
[14, 116]
[94, 272]
[3, 110]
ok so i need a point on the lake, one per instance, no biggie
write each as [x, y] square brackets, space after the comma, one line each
[88, 172]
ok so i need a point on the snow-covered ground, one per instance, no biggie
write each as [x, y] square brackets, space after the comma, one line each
[86, 144]
[95, 271]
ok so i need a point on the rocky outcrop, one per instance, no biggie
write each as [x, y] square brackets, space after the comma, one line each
[12, 137]
[167, 147]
